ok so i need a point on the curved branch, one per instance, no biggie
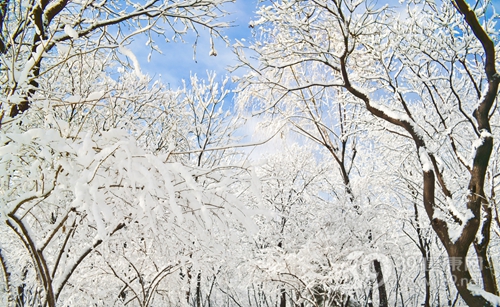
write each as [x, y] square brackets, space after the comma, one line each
[80, 260]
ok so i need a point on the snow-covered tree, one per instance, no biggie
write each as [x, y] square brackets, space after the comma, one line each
[426, 71]
[32, 31]
[102, 202]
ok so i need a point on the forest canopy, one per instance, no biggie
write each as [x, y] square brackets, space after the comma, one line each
[347, 159]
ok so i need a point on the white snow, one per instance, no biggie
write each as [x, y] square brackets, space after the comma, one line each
[478, 142]
[477, 291]
[22, 76]
[455, 232]
[70, 31]
[96, 95]
[212, 52]
[162, 169]
[425, 160]
[73, 99]
[63, 49]
[485, 134]
[137, 68]
[451, 207]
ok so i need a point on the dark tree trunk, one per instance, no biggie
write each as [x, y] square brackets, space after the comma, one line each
[423, 246]
[198, 289]
[481, 247]
[283, 298]
[382, 292]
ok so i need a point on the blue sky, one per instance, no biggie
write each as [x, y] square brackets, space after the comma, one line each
[177, 62]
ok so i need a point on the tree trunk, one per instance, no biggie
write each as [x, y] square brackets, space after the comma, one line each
[382, 293]
[481, 247]
[283, 298]
[423, 246]
[198, 289]
[370, 298]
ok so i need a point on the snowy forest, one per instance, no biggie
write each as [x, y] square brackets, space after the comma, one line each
[347, 159]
